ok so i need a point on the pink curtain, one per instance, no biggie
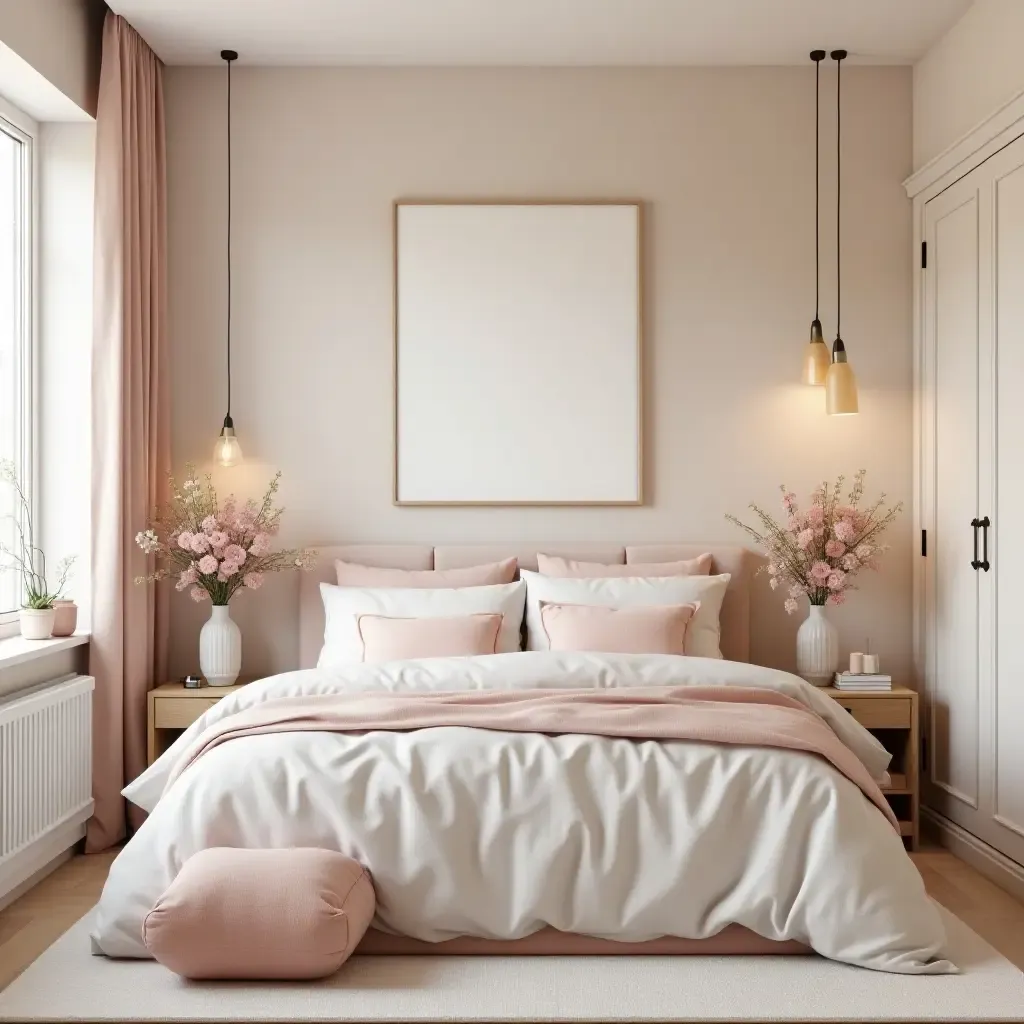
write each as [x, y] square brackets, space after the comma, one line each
[130, 408]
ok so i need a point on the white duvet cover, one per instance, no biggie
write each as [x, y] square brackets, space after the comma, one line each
[493, 834]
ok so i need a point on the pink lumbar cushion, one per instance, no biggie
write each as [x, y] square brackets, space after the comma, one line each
[351, 574]
[641, 629]
[390, 639]
[566, 568]
[273, 914]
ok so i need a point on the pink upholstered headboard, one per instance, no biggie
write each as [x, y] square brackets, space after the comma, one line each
[738, 562]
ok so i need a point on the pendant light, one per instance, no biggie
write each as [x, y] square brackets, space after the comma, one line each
[227, 451]
[840, 383]
[816, 355]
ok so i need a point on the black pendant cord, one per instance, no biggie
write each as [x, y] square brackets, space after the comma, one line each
[838, 55]
[817, 188]
[229, 60]
[817, 56]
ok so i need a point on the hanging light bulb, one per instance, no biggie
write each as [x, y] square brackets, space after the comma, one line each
[816, 355]
[227, 451]
[840, 382]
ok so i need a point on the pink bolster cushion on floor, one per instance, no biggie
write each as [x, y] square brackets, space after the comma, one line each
[270, 914]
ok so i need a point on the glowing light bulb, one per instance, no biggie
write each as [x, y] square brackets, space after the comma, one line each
[840, 384]
[816, 358]
[227, 451]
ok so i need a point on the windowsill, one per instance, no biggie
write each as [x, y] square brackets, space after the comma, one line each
[16, 649]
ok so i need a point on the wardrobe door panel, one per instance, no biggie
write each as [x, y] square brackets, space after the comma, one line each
[1007, 531]
[972, 469]
[951, 372]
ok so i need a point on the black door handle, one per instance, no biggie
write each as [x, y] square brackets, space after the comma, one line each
[975, 563]
[985, 524]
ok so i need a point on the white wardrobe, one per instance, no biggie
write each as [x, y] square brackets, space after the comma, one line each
[970, 580]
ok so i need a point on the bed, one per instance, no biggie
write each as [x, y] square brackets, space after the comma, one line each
[494, 838]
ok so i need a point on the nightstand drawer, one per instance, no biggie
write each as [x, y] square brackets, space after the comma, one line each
[876, 713]
[179, 712]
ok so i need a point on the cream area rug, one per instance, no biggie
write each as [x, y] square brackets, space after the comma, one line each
[69, 984]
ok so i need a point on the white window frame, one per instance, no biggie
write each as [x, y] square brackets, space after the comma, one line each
[17, 123]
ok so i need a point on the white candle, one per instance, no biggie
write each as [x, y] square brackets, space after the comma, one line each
[870, 663]
[856, 663]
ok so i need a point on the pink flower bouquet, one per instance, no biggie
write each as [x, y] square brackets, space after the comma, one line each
[818, 552]
[216, 549]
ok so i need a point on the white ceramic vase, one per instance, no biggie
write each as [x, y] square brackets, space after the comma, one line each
[817, 648]
[220, 647]
[36, 623]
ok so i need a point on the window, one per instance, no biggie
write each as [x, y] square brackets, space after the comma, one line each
[16, 345]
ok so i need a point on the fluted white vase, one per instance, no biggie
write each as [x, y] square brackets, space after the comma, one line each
[817, 648]
[220, 647]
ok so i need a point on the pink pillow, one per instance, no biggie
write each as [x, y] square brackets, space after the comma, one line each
[234, 913]
[350, 574]
[566, 568]
[388, 639]
[641, 629]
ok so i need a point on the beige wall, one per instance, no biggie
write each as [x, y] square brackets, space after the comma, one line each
[722, 158]
[61, 39]
[967, 75]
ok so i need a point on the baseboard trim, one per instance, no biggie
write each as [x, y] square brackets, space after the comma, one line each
[35, 878]
[32, 864]
[987, 860]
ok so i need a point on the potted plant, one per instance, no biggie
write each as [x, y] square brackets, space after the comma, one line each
[27, 558]
[216, 549]
[816, 553]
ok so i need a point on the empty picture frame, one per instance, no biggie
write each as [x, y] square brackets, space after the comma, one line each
[518, 353]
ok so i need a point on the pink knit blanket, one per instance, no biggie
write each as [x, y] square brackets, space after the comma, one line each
[738, 716]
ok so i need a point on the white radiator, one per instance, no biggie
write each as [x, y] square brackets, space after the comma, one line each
[45, 775]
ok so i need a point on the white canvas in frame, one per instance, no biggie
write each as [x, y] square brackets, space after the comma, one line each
[517, 353]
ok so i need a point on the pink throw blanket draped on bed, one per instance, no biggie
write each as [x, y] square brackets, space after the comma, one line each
[738, 716]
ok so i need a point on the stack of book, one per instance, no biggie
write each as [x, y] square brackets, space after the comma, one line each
[863, 681]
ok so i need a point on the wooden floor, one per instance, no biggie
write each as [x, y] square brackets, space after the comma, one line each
[42, 915]
[33, 923]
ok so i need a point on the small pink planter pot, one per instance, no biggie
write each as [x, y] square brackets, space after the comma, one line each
[65, 618]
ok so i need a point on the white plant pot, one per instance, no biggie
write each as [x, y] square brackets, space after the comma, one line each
[817, 648]
[220, 647]
[36, 623]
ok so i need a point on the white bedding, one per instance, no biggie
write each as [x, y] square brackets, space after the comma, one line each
[703, 633]
[469, 832]
[343, 644]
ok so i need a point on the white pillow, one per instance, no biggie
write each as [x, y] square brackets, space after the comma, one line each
[343, 606]
[702, 633]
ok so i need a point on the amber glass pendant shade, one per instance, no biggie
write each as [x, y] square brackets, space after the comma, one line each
[816, 358]
[840, 384]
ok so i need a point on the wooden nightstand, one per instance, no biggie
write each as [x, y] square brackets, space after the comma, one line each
[172, 708]
[892, 716]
